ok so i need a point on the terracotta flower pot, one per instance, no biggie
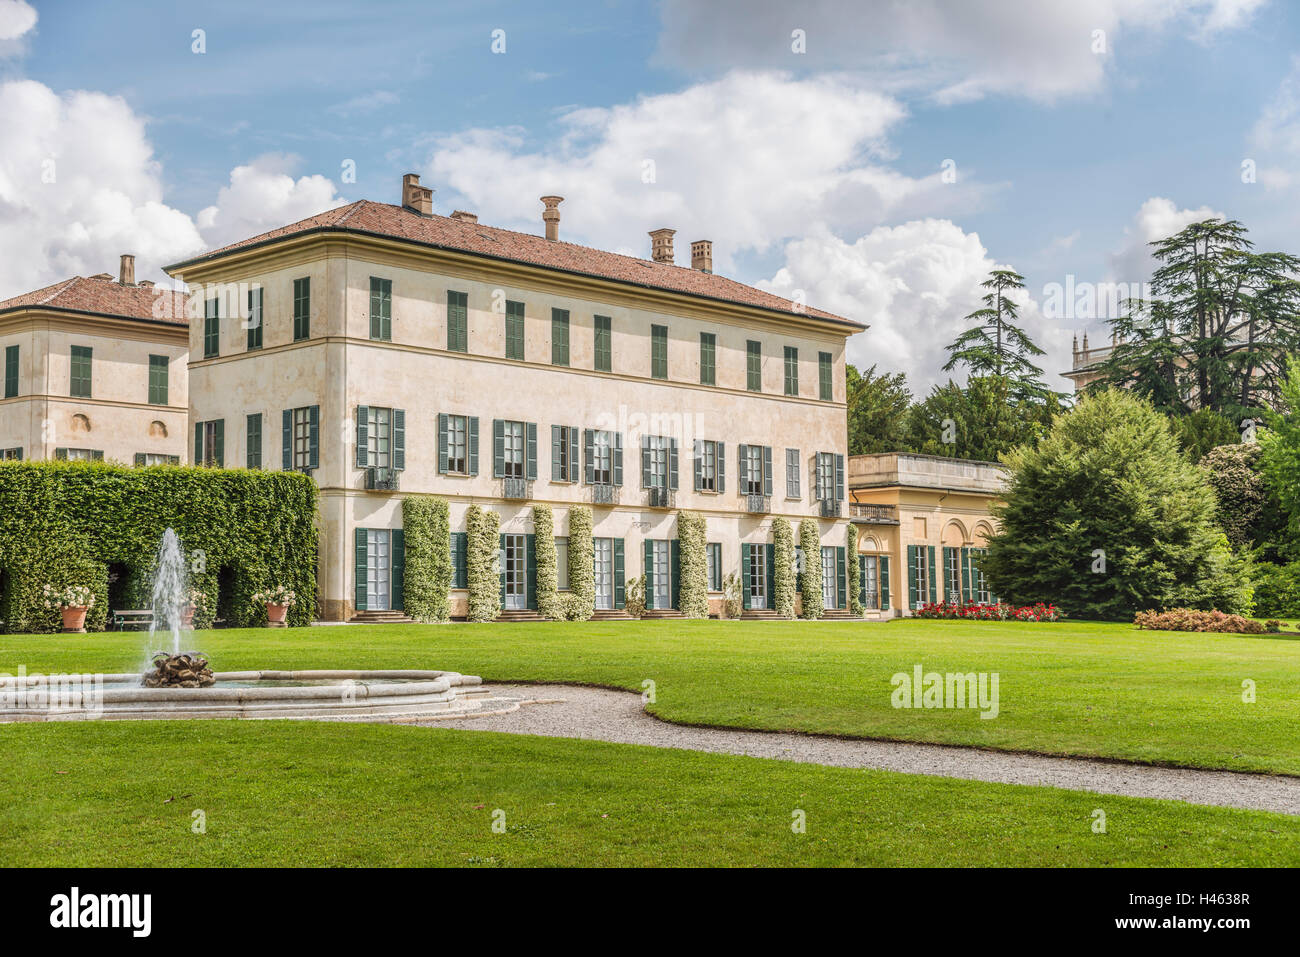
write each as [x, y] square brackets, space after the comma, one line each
[275, 613]
[187, 616]
[74, 618]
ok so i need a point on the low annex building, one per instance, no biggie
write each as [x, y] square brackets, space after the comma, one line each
[95, 368]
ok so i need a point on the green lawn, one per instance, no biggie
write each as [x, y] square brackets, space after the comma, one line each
[286, 793]
[1074, 688]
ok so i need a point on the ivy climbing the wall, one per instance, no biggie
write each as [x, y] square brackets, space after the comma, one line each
[582, 565]
[693, 590]
[427, 524]
[483, 563]
[811, 576]
[783, 574]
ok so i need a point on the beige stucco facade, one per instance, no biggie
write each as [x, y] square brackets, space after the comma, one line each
[908, 506]
[339, 368]
[117, 421]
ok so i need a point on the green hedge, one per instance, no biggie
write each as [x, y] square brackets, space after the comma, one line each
[427, 526]
[550, 603]
[855, 571]
[811, 576]
[693, 589]
[483, 562]
[66, 523]
[582, 565]
[783, 575]
[1277, 590]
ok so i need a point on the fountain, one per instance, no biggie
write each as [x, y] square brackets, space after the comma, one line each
[170, 591]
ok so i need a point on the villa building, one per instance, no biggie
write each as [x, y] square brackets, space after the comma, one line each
[389, 351]
[94, 368]
[931, 515]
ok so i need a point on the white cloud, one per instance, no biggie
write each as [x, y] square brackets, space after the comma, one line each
[263, 195]
[1276, 134]
[913, 284]
[747, 161]
[1157, 218]
[956, 49]
[365, 103]
[78, 187]
[16, 18]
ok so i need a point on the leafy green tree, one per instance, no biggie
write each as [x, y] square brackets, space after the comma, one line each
[982, 421]
[1280, 457]
[996, 346]
[1217, 328]
[1107, 517]
[1248, 509]
[1202, 431]
[878, 410]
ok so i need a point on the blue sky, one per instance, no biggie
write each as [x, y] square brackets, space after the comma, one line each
[815, 173]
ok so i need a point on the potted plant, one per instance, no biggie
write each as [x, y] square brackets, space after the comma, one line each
[278, 601]
[73, 602]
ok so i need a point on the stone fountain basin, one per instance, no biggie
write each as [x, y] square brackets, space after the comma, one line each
[343, 695]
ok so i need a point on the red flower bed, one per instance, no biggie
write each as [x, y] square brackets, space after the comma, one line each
[1000, 611]
[1190, 619]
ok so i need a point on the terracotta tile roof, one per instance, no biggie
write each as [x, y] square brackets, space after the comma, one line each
[105, 297]
[396, 222]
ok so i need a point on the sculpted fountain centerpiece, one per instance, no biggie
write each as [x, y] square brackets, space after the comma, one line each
[173, 610]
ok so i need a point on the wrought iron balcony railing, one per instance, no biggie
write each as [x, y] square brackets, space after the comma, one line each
[876, 514]
[830, 508]
[516, 488]
[383, 479]
[604, 494]
[759, 504]
[661, 498]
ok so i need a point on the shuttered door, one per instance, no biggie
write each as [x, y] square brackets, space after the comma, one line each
[620, 590]
[649, 567]
[397, 571]
[912, 589]
[360, 539]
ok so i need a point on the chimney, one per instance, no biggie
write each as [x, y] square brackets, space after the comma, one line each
[126, 275]
[702, 255]
[551, 215]
[463, 217]
[416, 198]
[661, 245]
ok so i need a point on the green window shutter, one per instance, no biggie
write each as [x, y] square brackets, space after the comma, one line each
[824, 384]
[588, 456]
[530, 430]
[219, 442]
[302, 308]
[80, 368]
[767, 470]
[254, 318]
[502, 563]
[397, 570]
[11, 371]
[649, 567]
[744, 575]
[862, 580]
[602, 344]
[659, 352]
[708, 358]
[791, 370]
[929, 552]
[171, 459]
[286, 438]
[530, 571]
[912, 584]
[884, 583]
[556, 440]
[363, 436]
[61, 455]
[97, 455]
[742, 470]
[399, 439]
[313, 436]
[839, 478]
[498, 448]
[211, 328]
[672, 463]
[675, 570]
[618, 458]
[514, 330]
[381, 308]
[442, 443]
[559, 337]
[198, 443]
[620, 584]
[459, 560]
[139, 459]
[472, 432]
[645, 461]
[841, 577]
[753, 366]
[253, 442]
[965, 576]
[157, 380]
[770, 565]
[720, 456]
[573, 454]
[947, 555]
[359, 539]
[457, 321]
[698, 457]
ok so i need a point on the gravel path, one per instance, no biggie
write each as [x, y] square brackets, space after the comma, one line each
[566, 711]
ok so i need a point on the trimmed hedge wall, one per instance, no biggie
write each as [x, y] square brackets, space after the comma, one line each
[550, 604]
[483, 561]
[427, 584]
[810, 542]
[783, 575]
[855, 571]
[66, 523]
[693, 589]
[582, 564]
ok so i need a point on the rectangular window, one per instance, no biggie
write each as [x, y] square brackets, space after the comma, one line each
[602, 458]
[459, 560]
[824, 367]
[209, 443]
[792, 471]
[753, 366]
[921, 573]
[11, 455]
[514, 330]
[559, 337]
[830, 579]
[158, 380]
[379, 424]
[80, 455]
[952, 572]
[982, 594]
[708, 358]
[458, 444]
[80, 372]
[657, 451]
[825, 476]
[302, 438]
[211, 328]
[381, 309]
[253, 450]
[659, 352]
[564, 453]
[513, 449]
[11, 371]
[254, 320]
[302, 308]
[562, 564]
[791, 370]
[457, 321]
[156, 458]
[604, 345]
[708, 466]
[751, 472]
[714, 559]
